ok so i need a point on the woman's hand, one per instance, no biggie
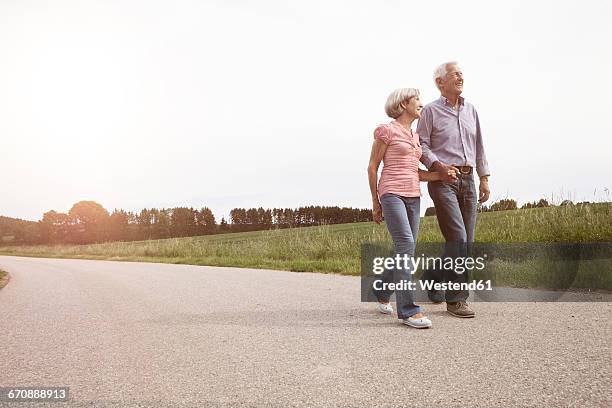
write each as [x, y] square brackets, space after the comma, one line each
[376, 156]
[376, 211]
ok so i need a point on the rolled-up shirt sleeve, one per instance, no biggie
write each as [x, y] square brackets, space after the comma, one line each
[482, 165]
[424, 128]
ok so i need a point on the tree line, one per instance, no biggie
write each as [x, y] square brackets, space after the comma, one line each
[507, 204]
[89, 222]
[258, 218]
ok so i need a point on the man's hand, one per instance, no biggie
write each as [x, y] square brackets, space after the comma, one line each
[376, 211]
[441, 167]
[447, 172]
[484, 190]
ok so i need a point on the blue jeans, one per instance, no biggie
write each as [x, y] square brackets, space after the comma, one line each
[456, 212]
[402, 216]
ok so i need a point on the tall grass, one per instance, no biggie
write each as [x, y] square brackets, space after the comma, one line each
[3, 278]
[336, 248]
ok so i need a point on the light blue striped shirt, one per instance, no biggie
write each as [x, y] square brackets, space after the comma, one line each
[452, 137]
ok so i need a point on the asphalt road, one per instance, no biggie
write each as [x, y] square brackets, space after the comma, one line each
[139, 334]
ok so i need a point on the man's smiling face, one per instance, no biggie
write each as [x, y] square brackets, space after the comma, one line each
[452, 82]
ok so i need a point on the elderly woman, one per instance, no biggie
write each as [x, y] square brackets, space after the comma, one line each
[397, 194]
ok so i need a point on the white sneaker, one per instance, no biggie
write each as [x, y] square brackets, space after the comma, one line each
[421, 323]
[385, 308]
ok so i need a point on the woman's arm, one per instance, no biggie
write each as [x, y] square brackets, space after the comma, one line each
[425, 175]
[378, 152]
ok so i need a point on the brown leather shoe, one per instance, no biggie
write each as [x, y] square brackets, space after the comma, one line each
[459, 309]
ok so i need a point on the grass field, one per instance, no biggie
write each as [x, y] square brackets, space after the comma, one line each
[336, 248]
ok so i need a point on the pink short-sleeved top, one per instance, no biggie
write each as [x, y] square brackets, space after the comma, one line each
[400, 173]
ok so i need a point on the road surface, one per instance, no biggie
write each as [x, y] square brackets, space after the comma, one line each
[123, 334]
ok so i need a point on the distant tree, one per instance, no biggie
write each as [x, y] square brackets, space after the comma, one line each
[88, 212]
[482, 208]
[238, 216]
[536, 204]
[144, 221]
[252, 217]
[264, 217]
[504, 205]
[183, 222]
[17, 231]
[161, 228]
[566, 202]
[29, 233]
[118, 225]
[154, 218]
[54, 227]
[206, 221]
[289, 216]
[223, 225]
[90, 222]
[277, 216]
[430, 211]
[300, 217]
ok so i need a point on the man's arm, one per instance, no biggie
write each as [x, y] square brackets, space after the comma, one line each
[424, 129]
[429, 158]
[482, 165]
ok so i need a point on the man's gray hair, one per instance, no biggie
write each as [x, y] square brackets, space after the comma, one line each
[394, 107]
[441, 70]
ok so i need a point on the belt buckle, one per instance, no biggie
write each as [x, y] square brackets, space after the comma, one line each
[463, 169]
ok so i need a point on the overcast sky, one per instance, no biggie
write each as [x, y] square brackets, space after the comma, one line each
[228, 104]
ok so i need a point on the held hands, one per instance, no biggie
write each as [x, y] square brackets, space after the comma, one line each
[376, 211]
[451, 175]
[447, 173]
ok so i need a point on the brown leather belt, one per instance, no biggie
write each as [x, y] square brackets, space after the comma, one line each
[464, 169]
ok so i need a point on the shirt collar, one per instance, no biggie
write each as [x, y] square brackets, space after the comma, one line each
[404, 131]
[445, 101]
[396, 123]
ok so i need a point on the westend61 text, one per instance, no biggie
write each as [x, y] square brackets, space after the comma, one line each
[405, 261]
[430, 285]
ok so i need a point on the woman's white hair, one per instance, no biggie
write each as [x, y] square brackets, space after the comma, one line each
[441, 70]
[394, 107]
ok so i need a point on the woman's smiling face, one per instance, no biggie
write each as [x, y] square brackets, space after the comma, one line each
[413, 107]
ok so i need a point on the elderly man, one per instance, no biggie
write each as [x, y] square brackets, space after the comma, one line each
[450, 135]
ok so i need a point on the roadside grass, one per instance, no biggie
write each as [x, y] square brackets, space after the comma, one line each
[3, 278]
[590, 274]
[336, 248]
